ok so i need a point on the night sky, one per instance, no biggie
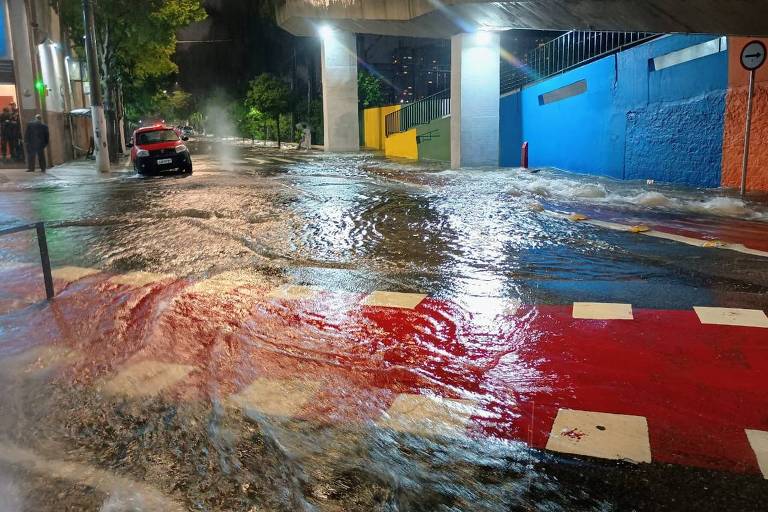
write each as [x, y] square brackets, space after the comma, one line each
[240, 40]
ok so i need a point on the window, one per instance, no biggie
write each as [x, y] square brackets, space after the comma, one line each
[157, 136]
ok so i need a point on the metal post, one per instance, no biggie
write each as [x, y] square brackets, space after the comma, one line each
[46, 262]
[98, 120]
[747, 130]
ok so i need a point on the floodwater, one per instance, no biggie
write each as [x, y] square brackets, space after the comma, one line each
[217, 348]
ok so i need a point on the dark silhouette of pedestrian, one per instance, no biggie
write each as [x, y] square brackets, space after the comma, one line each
[13, 133]
[36, 138]
[6, 150]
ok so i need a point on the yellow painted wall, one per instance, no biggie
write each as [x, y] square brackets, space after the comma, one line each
[374, 125]
[402, 145]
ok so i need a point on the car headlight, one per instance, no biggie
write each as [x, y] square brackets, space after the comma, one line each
[141, 153]
[181, 148]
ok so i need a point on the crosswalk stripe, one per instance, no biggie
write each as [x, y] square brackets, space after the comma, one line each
[139, 278]
[758, 440]
[602, 311]
[276, 397]
[72, 274]
[602, 435]
[427, 415]
[145, 378]
[394, 299]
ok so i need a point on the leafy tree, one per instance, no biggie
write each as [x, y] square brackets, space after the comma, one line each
[369, 91]
[175, 105]
[135, 40]
[197, 120]
[270, 95]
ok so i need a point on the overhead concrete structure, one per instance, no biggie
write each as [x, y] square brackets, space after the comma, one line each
[341, 126]
[443, 19]
[475, 99]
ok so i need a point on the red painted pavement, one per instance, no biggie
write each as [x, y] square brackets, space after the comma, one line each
[698, 385]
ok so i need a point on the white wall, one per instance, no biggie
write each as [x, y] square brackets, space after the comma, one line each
[475, 68]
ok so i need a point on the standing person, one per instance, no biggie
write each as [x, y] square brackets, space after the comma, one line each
[5, 143]
[14, 136]
[36, 138]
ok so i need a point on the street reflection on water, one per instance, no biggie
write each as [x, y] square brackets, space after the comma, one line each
[322, 430]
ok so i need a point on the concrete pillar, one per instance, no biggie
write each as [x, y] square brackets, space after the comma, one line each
[475, 66]
[341, 127]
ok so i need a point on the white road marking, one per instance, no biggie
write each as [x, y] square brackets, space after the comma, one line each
[427, 415]
[394, 300]
[602, 435]
[602, 311]
[146, 378]
[276, 397]
[139, 279]
[294, 292]
[758, 440]
[732, 316]
[72, 274]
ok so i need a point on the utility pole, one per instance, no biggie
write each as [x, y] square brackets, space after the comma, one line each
[99, 122]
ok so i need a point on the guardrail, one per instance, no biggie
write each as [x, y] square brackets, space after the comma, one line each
[419, 112]
[572, 49]
[39, 227]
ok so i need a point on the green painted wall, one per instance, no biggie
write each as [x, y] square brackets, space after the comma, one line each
[438, 147]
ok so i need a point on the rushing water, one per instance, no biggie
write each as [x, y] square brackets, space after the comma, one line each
[499, 271]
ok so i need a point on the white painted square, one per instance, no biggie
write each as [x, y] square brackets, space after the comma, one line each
[427, 415]
[602, 311]
[394, 300]
[226, 282]
[72, 274]
[732, 316]
[276, 397]
[599, 434]
[38, 359]
[146, 378]
[758, 439]
[139, 279]
[294, 292]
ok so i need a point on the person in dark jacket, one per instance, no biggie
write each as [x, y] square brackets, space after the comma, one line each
[36, 139]
[6, 150]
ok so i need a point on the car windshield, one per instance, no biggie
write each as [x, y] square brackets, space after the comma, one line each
[156, 136]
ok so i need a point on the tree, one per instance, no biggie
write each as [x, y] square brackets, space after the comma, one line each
[135, 40]
[270, 95]
[369, 91]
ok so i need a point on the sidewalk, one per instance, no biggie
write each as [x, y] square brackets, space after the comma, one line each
[73, 169]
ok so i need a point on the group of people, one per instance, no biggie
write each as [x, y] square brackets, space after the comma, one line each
[10, 135]
[36, 138]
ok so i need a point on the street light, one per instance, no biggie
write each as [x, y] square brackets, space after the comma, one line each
[326, 31]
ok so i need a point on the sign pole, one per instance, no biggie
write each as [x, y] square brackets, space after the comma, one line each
[752, 57]
[747, 132]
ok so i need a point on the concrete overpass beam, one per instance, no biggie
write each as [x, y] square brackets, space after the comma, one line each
[475, 68]
[339, 71]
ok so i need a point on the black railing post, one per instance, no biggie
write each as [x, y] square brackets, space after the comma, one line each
[45, 260]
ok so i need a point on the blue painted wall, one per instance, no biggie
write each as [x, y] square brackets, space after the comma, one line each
[510, 131]
[632, 122]
[4, 46]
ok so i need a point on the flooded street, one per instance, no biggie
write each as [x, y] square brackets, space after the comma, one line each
[288, 330]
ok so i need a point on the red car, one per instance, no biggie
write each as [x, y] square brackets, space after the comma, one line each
[157, 149]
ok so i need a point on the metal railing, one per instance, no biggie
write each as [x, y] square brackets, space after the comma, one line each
[43, 245]
[572, 49]
[419, 112]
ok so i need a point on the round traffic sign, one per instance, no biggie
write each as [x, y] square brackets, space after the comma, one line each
[753, 55]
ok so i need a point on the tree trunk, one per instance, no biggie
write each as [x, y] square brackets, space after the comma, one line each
[278, 131]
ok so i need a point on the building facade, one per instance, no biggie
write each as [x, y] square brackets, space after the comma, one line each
[39, 74]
